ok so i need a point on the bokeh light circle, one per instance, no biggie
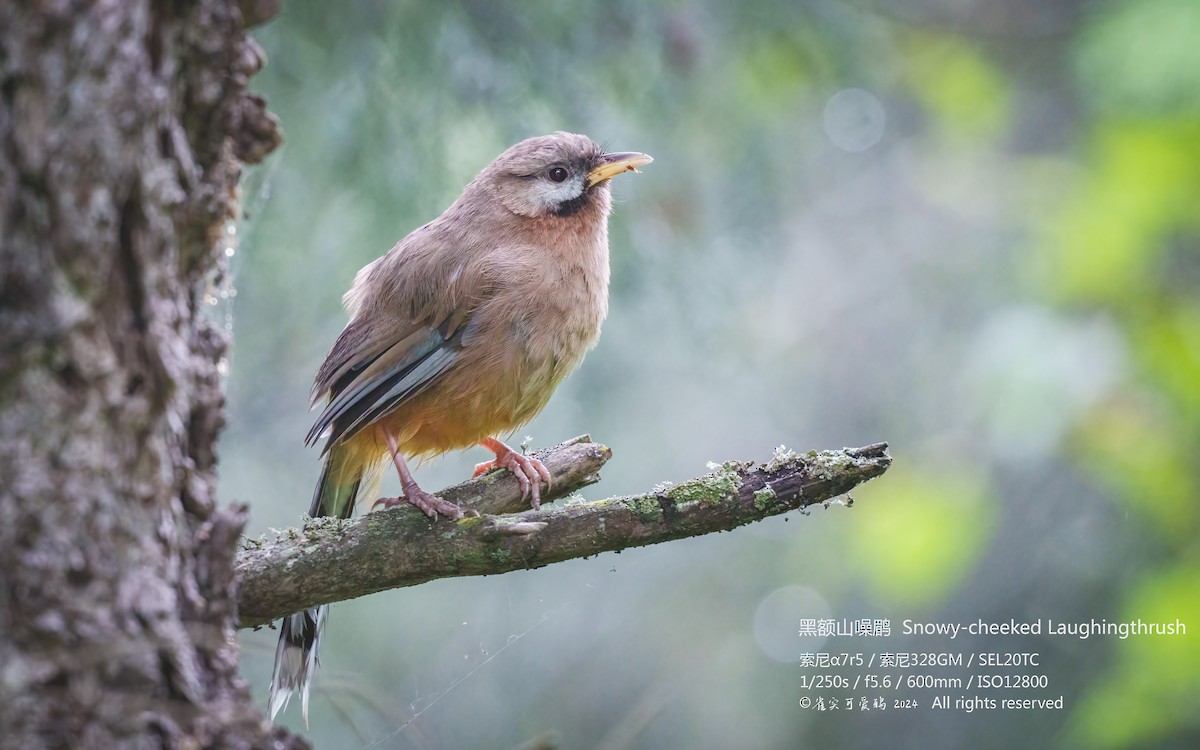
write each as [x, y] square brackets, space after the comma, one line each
[777, 622]
[854, 120]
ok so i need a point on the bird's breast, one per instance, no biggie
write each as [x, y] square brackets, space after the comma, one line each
[546, 318]
[560, 321]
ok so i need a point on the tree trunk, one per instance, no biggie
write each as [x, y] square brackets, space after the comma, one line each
[123, 126]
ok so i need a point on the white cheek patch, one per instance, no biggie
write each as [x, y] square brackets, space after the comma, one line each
[548, 196]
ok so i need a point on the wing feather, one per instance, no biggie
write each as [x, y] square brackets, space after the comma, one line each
[395, 390]
[369, 371]
[412, 314]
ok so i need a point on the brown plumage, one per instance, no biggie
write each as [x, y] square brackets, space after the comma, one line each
[459, 333]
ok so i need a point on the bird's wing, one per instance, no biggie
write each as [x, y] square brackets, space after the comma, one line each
[375, 385]
[381, 359]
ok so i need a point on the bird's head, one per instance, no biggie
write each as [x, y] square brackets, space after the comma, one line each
[556, 175]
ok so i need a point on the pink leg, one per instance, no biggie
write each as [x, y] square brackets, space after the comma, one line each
[429, 504]
[530, 472]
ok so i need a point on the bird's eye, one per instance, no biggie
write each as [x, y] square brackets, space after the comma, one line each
[558, 174]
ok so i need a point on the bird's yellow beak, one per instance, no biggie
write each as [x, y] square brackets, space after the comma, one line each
[615, 164]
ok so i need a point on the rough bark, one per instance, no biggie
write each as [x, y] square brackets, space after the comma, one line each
[122, 129]
[330, 560]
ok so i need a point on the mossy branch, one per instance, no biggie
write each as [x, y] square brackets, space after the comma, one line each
[330, 560]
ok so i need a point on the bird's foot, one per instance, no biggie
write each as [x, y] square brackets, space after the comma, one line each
[429, 504]
[530, 472]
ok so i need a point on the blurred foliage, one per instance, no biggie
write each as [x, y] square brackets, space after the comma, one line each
[1126, 241]
[957, 86]
[968, 228]
[919, 545]
[1141, 59]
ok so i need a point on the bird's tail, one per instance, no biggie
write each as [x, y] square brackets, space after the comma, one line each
[300, 633]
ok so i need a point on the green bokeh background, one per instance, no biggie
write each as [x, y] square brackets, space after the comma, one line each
[969, 228]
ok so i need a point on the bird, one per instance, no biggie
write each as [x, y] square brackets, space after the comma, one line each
[458, 335]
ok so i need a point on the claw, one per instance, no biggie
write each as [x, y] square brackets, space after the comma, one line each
[530, 472]
[430, 505]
